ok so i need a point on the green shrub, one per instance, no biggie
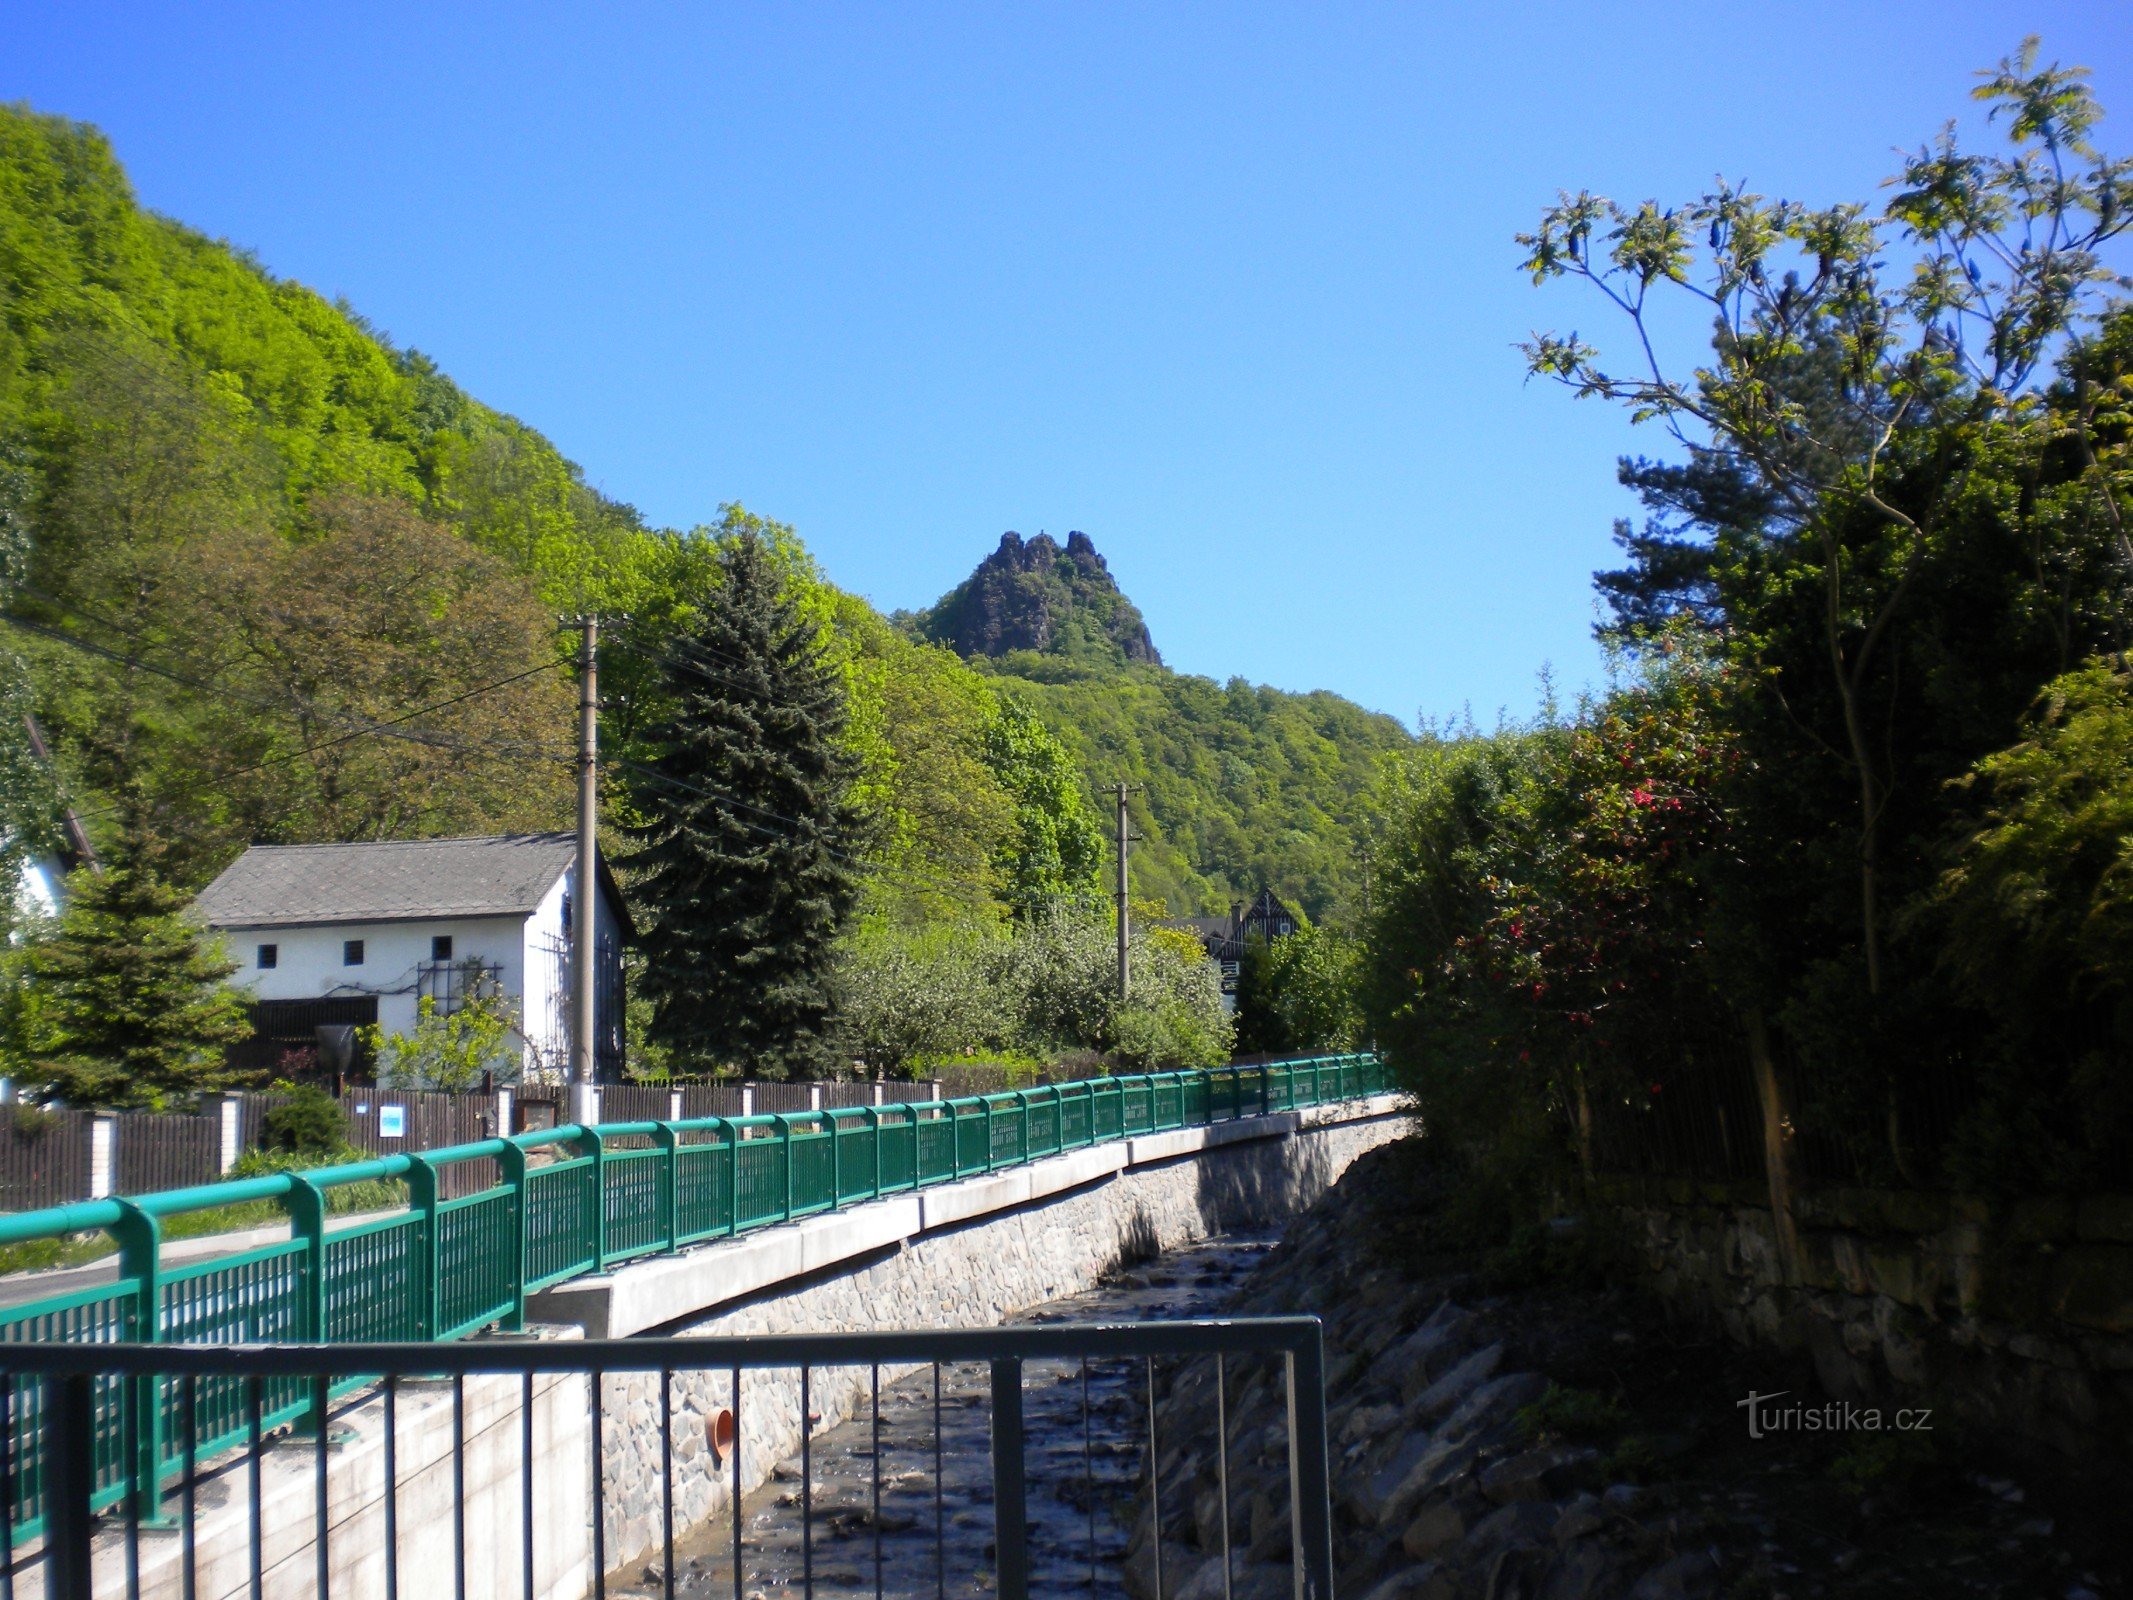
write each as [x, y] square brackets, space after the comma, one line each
[309, 1123]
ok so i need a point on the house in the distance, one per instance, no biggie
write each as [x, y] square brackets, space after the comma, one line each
[331, 937]
[1225, 937]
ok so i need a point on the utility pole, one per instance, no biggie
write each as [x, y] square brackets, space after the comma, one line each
[583, 946]
[77, 836]
[1125, 911]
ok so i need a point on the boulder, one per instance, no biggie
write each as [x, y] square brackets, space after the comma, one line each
[1582, 1516]
[1445, 1394]
[1429, 1581]
[1536, 1474]
[1497, 1398]
[1439, 1526]
[1685, 1576]
[1247, 1581]
[1522, 1525]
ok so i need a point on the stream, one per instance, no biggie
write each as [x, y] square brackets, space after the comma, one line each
[1086, 1428]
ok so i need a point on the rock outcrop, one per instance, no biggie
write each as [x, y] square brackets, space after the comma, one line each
[1033, 595]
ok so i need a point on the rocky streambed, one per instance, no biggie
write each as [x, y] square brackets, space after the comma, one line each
[911, 1506]
[1538, 1431]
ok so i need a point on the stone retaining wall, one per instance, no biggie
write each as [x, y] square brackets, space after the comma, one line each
[2016, 1318]
[969, 1274]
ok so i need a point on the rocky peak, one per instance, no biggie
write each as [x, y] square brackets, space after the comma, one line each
[1030, 594]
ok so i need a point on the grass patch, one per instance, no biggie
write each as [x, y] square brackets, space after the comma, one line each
[1564, 1413]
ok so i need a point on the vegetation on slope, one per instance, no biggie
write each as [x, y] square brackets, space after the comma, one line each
[1237, 787]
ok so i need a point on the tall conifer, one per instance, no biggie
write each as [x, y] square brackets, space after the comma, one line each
[128, 1004]
[745, 879]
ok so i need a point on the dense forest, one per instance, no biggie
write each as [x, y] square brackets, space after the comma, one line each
[1850, 831]
[1236, 787]
[271, 578]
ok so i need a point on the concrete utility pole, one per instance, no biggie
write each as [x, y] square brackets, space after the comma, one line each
[583, 947]
[1125, 912]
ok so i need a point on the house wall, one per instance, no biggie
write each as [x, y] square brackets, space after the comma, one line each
[532, 952]
[310, 959]
[545, 957]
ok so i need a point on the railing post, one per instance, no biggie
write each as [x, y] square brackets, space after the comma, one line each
[874, 1130]
[599, 1190]
[985, 1101]
[1009, 1502]
[733, 1180]
[70, 1454]
[1310, 1494]
[511, 1165]
[836, 1157]
[422, 1197]
[140, 1238]
[670, 1182]
[785, 1142]
[307, 1225]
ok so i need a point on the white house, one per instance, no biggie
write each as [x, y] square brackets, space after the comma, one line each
[333, 936]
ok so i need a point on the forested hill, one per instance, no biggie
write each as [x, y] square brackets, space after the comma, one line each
[1240, 786]
[273, 578]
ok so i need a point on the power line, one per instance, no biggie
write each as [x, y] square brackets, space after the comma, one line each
[360, 725]
[386, 728]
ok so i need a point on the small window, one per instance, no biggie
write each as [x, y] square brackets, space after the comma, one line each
[441, 947]
[269, 956]
[351, 952]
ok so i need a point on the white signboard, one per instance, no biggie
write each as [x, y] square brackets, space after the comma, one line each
[392, 1122]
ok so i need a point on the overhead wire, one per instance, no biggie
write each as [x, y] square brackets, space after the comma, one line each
[385, 727]
[361, 725]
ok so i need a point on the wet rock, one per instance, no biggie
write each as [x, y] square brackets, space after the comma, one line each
[1523, 1525]
[1585, 1571]
[1368, 1422]
[1446, 1393]
[1495, 1399]
[1429, 1581]
[1438, 1467]
[1686, 1575]
[1582, 1516]
[1439, 1526]
[1411, 1364]
[1272, 1532]
[1535, 1474]
[1247, 1581]
[1623, 1498]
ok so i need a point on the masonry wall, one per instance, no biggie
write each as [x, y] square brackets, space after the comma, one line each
[970, 1275]
[2016, 1318]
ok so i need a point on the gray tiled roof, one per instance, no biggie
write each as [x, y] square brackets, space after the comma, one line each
[288, 885]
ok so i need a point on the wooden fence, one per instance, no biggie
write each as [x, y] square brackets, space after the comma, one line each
[44, 1157]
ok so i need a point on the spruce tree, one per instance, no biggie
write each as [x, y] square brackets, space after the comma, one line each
[743, 875]
[128, 1006]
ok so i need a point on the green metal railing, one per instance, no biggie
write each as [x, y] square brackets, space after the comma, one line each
[565, 1202]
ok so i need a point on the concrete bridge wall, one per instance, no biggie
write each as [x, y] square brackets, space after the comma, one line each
[964, 1254]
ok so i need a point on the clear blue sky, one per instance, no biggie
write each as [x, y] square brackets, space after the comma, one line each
[1229, 287]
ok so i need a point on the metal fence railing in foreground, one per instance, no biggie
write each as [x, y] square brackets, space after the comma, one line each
[485, 1469]
[491, 1222]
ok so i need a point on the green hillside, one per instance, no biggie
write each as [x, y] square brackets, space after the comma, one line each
[1241, 787]
[257, 529]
